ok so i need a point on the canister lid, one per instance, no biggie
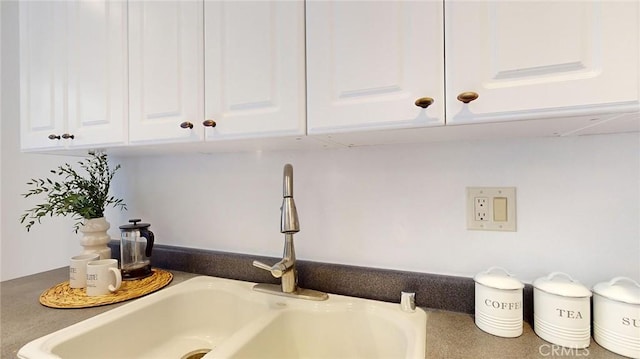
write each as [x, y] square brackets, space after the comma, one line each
[499, 278]
[621, 289]
[561, 284]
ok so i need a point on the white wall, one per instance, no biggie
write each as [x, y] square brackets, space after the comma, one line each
[403, 207]
[398, 207]
[49, 245]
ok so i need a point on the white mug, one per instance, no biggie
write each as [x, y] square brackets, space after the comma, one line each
[100, 281]
[78, 269]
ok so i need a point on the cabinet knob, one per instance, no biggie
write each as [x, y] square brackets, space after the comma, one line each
[67, 136]
[186, 124]
[209, 123]
[424, 102]
[54, 137]
[467, 97]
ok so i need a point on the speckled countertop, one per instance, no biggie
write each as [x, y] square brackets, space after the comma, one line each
[449, 334]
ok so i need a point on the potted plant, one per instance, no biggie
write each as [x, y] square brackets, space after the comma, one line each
[85, 196]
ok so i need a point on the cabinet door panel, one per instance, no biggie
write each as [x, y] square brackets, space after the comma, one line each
[42, 73]
[524, 58]
[166, 70]
[254, 68]
[368, 62]
[97, 72]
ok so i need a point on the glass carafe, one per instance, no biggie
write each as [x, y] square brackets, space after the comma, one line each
[136, 244]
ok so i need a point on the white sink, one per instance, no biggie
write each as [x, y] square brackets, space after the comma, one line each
[227, 319]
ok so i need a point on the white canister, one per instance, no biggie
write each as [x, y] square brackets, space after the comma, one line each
[616, 316]
[562, 310]
[498, 303]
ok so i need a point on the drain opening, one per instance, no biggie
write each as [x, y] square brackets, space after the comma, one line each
[196, 354]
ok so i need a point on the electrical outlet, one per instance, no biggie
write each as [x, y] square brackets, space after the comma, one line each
[480, 208]
[491, 208]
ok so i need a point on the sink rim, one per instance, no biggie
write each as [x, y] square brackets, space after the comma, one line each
[412, 324]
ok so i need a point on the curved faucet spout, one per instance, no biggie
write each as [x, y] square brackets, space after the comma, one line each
[289, 214]
[287, 181]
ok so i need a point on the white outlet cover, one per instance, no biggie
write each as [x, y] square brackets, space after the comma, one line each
[490, 193]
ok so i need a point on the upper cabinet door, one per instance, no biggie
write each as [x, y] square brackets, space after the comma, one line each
[97, 72]
[369, 61]
[254, 68]
[165, 71]
[42, 74]
[530, 59]
[73, 74]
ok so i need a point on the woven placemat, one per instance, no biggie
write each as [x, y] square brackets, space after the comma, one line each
[63, 296]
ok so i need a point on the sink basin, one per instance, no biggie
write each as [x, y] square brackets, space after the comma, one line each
[209, 317]
[345, 333]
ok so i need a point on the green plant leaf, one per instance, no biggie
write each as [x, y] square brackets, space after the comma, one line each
[80, 195]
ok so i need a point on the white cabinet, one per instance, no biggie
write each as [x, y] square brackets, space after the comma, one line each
[238, 64]
[369, 61]
[108, 73]
[73, 74]
[97, 72]
[42, 73]
[529, 59]
[254, 68]
[166, 78]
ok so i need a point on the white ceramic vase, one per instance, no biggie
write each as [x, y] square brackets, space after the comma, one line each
[95, 237]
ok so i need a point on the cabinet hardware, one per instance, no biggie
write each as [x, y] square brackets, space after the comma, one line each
[209, 123]
[186, 124]
[424, 102]
[67, 136]
[54, 137]
[467, 97]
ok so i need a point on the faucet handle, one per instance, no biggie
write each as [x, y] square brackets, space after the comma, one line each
[277, 270]
[261, 265]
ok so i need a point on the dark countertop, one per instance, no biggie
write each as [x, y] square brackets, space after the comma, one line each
[449, 334]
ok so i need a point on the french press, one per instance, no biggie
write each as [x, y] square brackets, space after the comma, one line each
[136, 244]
